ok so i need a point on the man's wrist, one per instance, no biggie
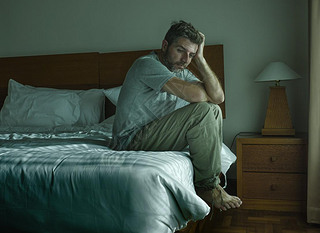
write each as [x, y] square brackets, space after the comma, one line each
[203, 67]
[200, 62]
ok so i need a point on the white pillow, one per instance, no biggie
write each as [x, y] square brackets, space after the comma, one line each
[113, 94]
[25, 106]
[92, 106]
[91, 102]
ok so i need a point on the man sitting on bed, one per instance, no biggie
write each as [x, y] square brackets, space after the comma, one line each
[148, 116]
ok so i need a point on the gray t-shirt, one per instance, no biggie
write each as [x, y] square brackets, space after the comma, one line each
[141, 99]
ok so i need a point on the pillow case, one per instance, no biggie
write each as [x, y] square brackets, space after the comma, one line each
[113, 94]
[92, 106]
[91, 102]
[25, 106]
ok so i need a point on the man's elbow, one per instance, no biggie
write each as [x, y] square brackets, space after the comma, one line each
[217, 99]
[220, 99]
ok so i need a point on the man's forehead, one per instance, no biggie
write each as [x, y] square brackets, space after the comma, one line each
[186, 44]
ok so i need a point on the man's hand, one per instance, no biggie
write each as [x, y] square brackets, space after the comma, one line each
[199, 56]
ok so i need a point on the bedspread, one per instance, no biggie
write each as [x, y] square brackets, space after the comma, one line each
[69, 181]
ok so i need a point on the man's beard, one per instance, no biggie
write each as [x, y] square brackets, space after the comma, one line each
[171, 65]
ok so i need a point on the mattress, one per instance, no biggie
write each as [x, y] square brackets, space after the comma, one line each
[67, 179]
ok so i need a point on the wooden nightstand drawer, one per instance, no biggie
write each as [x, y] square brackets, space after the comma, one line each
[271, 173]
[274, 186]
[275, 158]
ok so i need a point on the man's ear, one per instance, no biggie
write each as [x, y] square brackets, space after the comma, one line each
[164, 46]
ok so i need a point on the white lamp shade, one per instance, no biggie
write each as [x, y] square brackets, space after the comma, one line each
[277, 71]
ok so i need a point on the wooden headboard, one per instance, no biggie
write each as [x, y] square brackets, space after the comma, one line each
[86, 70]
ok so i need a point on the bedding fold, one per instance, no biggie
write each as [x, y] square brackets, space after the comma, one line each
[68, 180]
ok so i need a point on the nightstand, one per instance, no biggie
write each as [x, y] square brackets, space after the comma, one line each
[272, 173]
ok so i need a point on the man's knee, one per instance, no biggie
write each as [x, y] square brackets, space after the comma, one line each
[216, 110]
[212, 109]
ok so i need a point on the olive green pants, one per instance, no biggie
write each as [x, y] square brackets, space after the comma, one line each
[197, 125]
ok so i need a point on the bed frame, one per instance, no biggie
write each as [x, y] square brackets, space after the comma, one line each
[86, 70]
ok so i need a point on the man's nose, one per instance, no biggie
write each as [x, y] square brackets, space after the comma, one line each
[185, 57]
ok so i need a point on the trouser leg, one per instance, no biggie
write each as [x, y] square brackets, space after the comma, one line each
[198, 125]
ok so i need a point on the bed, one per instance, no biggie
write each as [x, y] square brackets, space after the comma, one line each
[57, 172]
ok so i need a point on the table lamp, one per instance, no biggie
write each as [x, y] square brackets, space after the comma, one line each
[278, 120]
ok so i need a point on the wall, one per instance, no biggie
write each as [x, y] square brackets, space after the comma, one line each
[253, 32]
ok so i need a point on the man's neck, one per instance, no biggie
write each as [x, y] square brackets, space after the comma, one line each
[161, 57]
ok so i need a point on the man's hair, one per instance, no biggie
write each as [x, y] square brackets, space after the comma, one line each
[183, 29]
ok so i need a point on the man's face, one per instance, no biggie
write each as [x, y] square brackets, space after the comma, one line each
[179, 54]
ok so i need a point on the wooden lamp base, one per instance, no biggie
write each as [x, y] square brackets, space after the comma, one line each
[278, 120]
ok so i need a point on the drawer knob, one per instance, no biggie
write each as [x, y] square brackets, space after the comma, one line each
[274, 158]
[273, 187]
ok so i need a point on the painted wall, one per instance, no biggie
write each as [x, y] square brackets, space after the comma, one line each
[253, 32]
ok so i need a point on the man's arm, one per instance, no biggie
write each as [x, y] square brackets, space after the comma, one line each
[208, 77]
[208, 89]
[190, 91]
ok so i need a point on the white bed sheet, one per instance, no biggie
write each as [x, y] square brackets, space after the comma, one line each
[66, 180]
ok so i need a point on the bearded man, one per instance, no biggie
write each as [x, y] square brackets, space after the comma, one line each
[149, 115]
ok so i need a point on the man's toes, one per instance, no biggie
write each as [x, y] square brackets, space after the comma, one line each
[233, 205]
[227, 205]
[237, 201]
[223, 208]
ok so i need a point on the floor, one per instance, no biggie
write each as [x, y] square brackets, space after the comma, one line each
[252, 221]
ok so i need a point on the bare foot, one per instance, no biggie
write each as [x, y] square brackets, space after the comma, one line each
[223, 201]
[220, 198]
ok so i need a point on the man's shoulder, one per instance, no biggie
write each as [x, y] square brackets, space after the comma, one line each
[151, 55]
[150, 58]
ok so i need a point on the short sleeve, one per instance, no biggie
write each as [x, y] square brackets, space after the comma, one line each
[188, 76]
[152, 73]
